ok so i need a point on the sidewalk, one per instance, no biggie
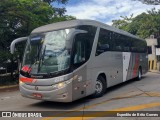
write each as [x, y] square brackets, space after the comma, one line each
[7, 88]
[154, 71]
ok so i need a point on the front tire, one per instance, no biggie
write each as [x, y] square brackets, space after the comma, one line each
[100, 87]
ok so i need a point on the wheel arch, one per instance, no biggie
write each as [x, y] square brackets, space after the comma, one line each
[104, 76]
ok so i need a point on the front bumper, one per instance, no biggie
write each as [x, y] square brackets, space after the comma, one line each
[47, 92]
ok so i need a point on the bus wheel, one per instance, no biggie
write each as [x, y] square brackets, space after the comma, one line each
[100, 87]
[139, 73]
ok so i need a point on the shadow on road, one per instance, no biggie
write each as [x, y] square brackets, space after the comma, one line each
[119, 86]
[63, 106]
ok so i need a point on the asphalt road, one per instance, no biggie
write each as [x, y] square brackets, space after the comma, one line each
[133, 95]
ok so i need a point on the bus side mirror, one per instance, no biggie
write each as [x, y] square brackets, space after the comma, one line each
[14, 42]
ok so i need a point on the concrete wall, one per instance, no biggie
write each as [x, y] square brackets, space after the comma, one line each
[152, 42]
[152, 58]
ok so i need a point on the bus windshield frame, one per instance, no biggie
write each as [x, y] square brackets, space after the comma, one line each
[48, 52]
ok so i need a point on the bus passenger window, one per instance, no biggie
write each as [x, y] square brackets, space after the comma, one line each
[104, 41]
[118, 48]
[126, 49]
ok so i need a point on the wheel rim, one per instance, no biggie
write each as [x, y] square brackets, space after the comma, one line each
[140, 75]
[99, 86]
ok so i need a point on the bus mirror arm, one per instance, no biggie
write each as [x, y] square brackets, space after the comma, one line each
[14, 42]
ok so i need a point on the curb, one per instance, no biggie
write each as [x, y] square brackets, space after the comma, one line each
[9, 88]
[158, 72]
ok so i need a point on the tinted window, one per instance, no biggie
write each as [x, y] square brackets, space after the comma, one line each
[128, 44]
[142, 47]
[112, 41]
[138, 46]
[134, 47]
[118, 45]
[104, 41]
[122, 43]
[83, 45]
[89, 37]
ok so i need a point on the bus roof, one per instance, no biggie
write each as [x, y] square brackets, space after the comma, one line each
[74, 23]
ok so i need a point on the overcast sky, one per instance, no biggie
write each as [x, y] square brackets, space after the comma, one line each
[105, 10]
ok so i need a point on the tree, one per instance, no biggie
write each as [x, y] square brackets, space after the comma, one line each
[19, 17]
[142, 25]
[150, 2]
[123, 22]
[59, 1]
[57, 11]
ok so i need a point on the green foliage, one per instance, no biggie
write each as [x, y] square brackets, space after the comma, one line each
[20, 17]
[4, 56]
[59, 1]
[149, 2]
[63, 18]
[123, 23]
[142, 25]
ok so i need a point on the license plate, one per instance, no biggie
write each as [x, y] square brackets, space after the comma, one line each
[37, 95]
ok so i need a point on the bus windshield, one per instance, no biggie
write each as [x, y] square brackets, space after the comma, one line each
[47, 52]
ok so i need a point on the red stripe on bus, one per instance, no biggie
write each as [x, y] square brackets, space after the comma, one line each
[26, 80]
[135, 66]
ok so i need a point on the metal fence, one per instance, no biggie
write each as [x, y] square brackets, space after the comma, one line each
[8, 78]
[9, 63]
[9, 73]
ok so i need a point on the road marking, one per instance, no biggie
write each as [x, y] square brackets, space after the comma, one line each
[90, 106]
[105, 101]
[130, 108]
[7, 97]
[152, 94]
[140, 93]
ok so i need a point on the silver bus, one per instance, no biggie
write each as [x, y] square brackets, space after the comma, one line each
[69, 60]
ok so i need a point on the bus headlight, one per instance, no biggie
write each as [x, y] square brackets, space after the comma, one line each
[61, 84]
[20, 82]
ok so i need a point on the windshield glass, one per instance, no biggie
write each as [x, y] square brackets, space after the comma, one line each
[47, 52]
